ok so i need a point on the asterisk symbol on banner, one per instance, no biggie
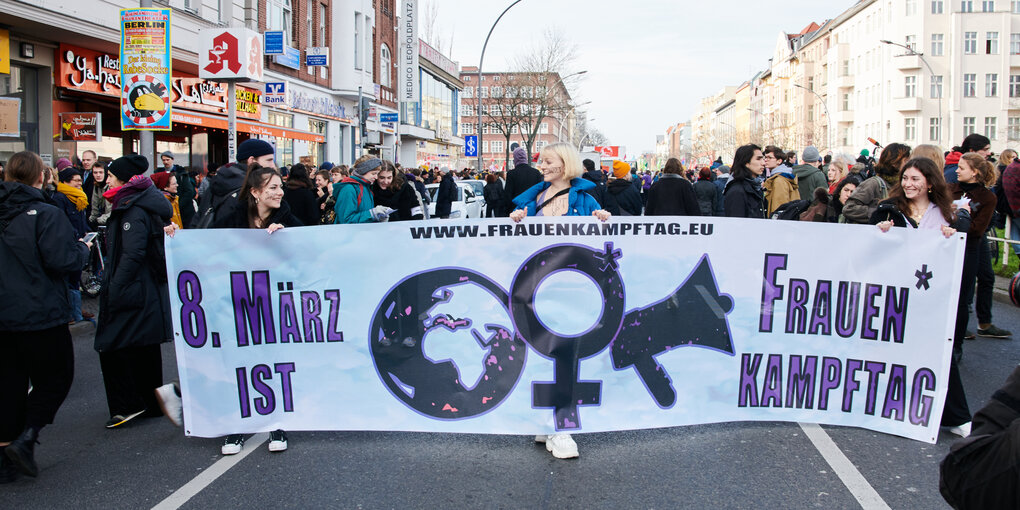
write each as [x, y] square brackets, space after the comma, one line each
[923, 276]
[609, 257]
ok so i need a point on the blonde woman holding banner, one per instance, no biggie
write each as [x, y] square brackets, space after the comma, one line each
[562, 192]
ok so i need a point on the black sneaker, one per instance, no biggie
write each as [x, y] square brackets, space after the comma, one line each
[120, 419]
[969, 335]
[277, 441]
[232, 444]
[8, 473]
[993, 332]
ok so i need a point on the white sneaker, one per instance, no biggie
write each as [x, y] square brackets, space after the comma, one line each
[562, 446]
[277, 441]
[232, 444]
[541, 438]
[960, 430]
[170, 403]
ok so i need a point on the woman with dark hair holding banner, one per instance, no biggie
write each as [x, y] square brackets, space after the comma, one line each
[922, 200]
[562, 192]
[742, 197]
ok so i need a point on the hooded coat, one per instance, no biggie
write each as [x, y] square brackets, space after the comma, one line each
[37, 250]
[445, 195]
[227, 182]
[134, 305]
[810, 177]
[579, 202]
[622, 198]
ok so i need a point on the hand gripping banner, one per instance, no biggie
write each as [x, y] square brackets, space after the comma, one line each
[563, 324]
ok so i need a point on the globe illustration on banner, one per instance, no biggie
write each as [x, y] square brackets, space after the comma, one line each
[432, 318]
[146, 100]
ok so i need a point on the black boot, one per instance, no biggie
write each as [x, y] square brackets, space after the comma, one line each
[22, 452]
[8, 473]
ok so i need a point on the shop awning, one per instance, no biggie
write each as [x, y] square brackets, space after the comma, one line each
[256, 128]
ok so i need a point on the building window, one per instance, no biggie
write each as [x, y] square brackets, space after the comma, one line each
[1014, 85]
[910, 90]
[969, 126]
[969, 85]
[485, 109]
[310, 29]
[991, 85]
[1014, 129]
[497, 146]
[987, 6]
[991, 126]
[483, 93]
[544, 128]
[496, 92]
[1014, 44]
[844, 68]
[911, 42]
[970, 43]
[322, 26]
[909, 129]
[966, 6]
[468, 92]
[357, 40]
[1016, 6]
[485, 129]
[467, 110]
[936, 87]
[384, 66]
[278, 17]
[992, 43]
[845, 105]
[935, 129]
[911, 7]
[936, 7]
[467, 128]
[937, 41]
[485, 144]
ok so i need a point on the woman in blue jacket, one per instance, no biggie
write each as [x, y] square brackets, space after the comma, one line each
[354, 203]
[562, 192]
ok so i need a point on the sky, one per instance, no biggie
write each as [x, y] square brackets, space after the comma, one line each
[648, 62]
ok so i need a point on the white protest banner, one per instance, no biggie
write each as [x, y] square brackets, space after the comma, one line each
[568, 324]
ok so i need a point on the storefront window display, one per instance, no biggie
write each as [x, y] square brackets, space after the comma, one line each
[22, 83]
[284, 146]
[317, 149]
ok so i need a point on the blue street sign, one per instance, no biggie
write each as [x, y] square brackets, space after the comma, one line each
[317, 56]
[471, 146]
[273, 43]
[389, 117]
[291, 58]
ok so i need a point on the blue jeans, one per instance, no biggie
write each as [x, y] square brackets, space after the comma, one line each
[74, 297]
[1014, 234]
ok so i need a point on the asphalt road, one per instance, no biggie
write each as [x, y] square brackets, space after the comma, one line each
[733, 465]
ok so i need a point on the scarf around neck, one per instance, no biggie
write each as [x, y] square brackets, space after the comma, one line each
[75, 195]
[136, 185]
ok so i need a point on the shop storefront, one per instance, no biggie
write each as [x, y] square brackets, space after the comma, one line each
[25, 87]
[429, 130]
[88, 81]
[319, 114]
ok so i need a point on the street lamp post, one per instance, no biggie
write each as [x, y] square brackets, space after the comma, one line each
[478, 86]
[570, 111]
[580, 144]
[913, 52]
[828, 129]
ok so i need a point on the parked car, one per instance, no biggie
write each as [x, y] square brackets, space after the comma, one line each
[466, 204]
[479, 188]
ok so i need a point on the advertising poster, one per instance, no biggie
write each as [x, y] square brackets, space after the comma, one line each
[145, 69]
[81, 127]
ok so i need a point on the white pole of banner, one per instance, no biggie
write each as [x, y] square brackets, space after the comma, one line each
[232, 122]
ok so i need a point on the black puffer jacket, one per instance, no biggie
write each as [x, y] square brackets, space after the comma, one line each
[445, 196]
[708, 196]
[519, 180]
[742, 198]
[37, 250]
[227, 181]
[402, 200]
[134, 306]
[672, 195]
[622, 198]
[303, 202]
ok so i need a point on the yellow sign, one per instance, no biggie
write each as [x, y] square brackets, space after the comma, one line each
[5, 52]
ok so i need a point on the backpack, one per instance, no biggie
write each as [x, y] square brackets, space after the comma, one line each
[206, 215]
[791, 210]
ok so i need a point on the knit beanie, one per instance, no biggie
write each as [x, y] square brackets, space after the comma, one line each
[366, 166]
[126, 167]
[811, 154]
[621, 170]
[161, 179]
[253, 148]
[520, 156]
[167, 154]
[67, 174]
[63, 163]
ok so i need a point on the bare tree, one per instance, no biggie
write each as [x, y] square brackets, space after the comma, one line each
[503, 113]
[428, 18]
[540, 75]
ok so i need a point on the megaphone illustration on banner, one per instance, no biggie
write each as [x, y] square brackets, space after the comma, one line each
[694, 315]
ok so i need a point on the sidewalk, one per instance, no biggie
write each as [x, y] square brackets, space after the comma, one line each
[1002, 289]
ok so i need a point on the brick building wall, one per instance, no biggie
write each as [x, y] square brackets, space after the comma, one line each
[385, 33]
[301, 38]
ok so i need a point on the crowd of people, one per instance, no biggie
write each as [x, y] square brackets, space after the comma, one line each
[45, 214]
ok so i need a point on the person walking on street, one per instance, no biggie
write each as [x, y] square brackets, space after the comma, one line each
[809, 175]
[622, 197]
[494, 196]
[134, 304]
[37, 250]
[562, 192]
[672, 194]
[523, 176]
[446, 193]
[742, 197]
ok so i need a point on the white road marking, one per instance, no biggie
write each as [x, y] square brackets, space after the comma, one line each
[855, 482]
[210, 474]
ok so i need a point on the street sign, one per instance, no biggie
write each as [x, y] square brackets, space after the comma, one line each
[274, 42]
[389, 117]
[276, 93]
[317, 56]
[471, 146]
[291, 58]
